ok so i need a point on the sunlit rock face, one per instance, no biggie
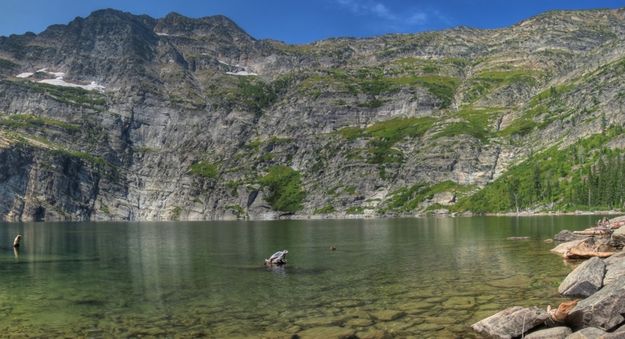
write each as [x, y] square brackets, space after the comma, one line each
[125, 117]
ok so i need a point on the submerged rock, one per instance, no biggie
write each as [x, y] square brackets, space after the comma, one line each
[326, 332]
[585, 280]
[517, 238]
[374, 334]
[587, 333]
[387, 315]
[559, 332]
[603, 309]
[459, 303]
[511, 322]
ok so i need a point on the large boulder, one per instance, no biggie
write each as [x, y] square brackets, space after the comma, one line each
[563, 248]
[511, 322]
[603, 309]
[587, 333]
[566, 236]
[559, 332]
[615, 268]
[585, 280]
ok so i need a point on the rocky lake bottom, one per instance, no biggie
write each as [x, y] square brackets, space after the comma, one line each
[426, 277]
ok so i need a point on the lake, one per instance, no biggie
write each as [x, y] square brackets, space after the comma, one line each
[425, 277]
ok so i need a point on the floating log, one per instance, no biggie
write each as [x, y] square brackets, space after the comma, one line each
[16, 242]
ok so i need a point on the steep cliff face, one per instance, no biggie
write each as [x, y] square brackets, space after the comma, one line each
[125, 117]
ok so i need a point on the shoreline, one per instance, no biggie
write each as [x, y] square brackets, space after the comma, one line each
[275, 217]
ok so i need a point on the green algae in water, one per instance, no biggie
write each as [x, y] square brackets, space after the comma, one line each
[430, 277]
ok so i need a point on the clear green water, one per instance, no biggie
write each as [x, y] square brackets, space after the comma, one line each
[206, 278]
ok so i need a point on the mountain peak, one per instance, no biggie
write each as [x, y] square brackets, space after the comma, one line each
[178, 24]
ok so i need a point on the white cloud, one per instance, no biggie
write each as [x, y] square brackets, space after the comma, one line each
[417, 18]
[378, 9]
[382, 11]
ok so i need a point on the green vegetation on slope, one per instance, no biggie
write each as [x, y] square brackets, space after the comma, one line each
[7, 64]
[542, 109]
[586, 175]
[285, 188]
[484, 82]
[474, 122]
[384, 135]
[409, 198]
[375, 83]
[204, 169]
[72, 95]
[28, 120]
[250, 93]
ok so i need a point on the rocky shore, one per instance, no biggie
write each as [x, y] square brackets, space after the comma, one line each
[596, 286]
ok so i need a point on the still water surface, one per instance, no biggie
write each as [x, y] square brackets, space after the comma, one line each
[429, 277]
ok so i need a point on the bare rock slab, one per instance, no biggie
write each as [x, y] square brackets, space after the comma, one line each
[603, 309]
[511, 322]
[559, 332]
[587, 333]
[585, 280]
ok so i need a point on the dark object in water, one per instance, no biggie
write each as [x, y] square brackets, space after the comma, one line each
[332, 248]
[16, 242]
[278, 258]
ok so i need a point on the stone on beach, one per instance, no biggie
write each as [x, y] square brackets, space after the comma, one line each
[603, 309]
[511, 322]
[559, 332]
[585, 280]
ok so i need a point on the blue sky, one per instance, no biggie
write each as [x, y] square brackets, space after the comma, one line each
[301, 21]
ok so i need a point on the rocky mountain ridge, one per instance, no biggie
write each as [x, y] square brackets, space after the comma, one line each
[124, 117]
